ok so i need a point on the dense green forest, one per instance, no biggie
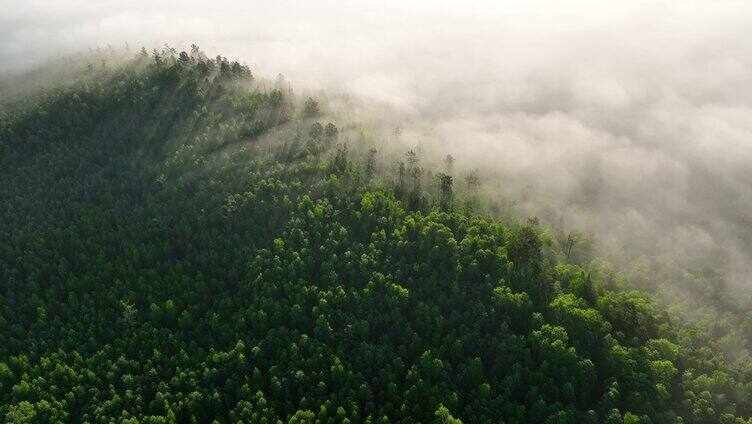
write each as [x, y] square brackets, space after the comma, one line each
[180, 243]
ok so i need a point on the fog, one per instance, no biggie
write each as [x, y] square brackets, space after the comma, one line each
[632, 122]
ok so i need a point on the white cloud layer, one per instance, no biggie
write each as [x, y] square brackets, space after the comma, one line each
[634, 119]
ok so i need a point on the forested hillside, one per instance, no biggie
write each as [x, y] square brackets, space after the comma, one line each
[179, 243]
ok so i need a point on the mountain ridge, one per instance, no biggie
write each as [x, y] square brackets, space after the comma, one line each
[223, 254]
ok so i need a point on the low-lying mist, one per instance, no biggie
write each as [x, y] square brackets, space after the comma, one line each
[632, 123]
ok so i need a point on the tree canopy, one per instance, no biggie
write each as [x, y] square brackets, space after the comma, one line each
[178, 245]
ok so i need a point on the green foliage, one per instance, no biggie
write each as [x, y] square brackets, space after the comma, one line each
[311, 108]
[164, 258]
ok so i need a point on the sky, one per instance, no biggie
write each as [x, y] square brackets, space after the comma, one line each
[632, 119]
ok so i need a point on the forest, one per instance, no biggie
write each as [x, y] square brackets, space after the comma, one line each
[182, 242]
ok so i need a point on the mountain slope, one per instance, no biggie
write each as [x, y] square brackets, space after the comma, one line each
[180, 244]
